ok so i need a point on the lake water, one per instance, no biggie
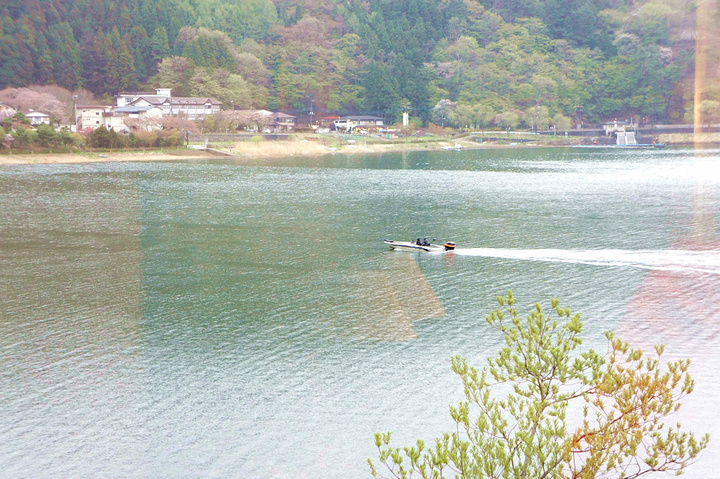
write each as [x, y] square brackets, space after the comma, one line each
[231, 319]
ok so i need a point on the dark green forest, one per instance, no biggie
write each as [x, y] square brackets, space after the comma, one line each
[481, 60]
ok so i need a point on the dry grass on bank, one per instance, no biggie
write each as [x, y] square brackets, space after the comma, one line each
[314, 147]
[276, 148]
[47, 158]
[689, 138]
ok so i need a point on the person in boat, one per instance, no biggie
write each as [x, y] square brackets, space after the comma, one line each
[417, 242]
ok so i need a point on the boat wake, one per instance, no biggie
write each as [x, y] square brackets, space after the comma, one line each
[667, 260]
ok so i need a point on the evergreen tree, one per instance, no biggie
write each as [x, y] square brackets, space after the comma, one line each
[624, 398]
[211, 49]
[413, 86]
[159, 44]
[111, 48]
[145, 64]
[126, 64]
[66, 52]
[579, 22]
[23, 57]
[43, 61]
[94, 61]
[380, 92]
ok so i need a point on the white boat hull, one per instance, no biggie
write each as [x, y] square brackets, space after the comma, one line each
[412, 246]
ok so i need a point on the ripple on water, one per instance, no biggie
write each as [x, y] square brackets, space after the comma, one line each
[218, 319]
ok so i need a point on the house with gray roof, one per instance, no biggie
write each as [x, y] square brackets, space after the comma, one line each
[282, 121]
[131, 117]
[358, 123]
[38, 118]
[191, 108]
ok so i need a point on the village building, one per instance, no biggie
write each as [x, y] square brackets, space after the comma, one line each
[127, 118]
[119, 119]
[359, 123]
[327, 123]
[264, 120]
[38, 118]
[138, 109]
[252, 120]
[125, 98]
[623, 131]
[90, 116]
[612, 127]
[190, 108]
[282, 122]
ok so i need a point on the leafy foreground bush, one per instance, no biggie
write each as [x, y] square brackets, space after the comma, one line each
[110, 139]
[621, 399]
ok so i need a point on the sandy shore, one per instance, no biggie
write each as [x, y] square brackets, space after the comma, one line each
[241, 150]
[246, 150]
[44, 158]
[279, 149]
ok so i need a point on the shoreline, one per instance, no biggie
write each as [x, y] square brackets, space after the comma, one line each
[268, 149]
[245, 150]
[93, 157]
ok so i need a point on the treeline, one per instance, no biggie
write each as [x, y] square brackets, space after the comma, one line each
[470, 62]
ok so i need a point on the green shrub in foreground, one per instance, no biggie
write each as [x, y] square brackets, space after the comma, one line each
[622, 397]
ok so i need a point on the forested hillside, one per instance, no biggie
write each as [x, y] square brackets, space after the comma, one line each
[469, 61]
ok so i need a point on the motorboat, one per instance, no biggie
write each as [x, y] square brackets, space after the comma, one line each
[420, 245]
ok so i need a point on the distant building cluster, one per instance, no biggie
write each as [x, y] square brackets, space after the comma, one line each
[145, 111]
[143, 106]
[267, 121]
[263, 120]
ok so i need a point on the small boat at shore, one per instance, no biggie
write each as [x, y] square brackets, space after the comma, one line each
[457, 146]
[420, 245]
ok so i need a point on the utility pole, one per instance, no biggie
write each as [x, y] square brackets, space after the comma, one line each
[75, 121]
[579, 111]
